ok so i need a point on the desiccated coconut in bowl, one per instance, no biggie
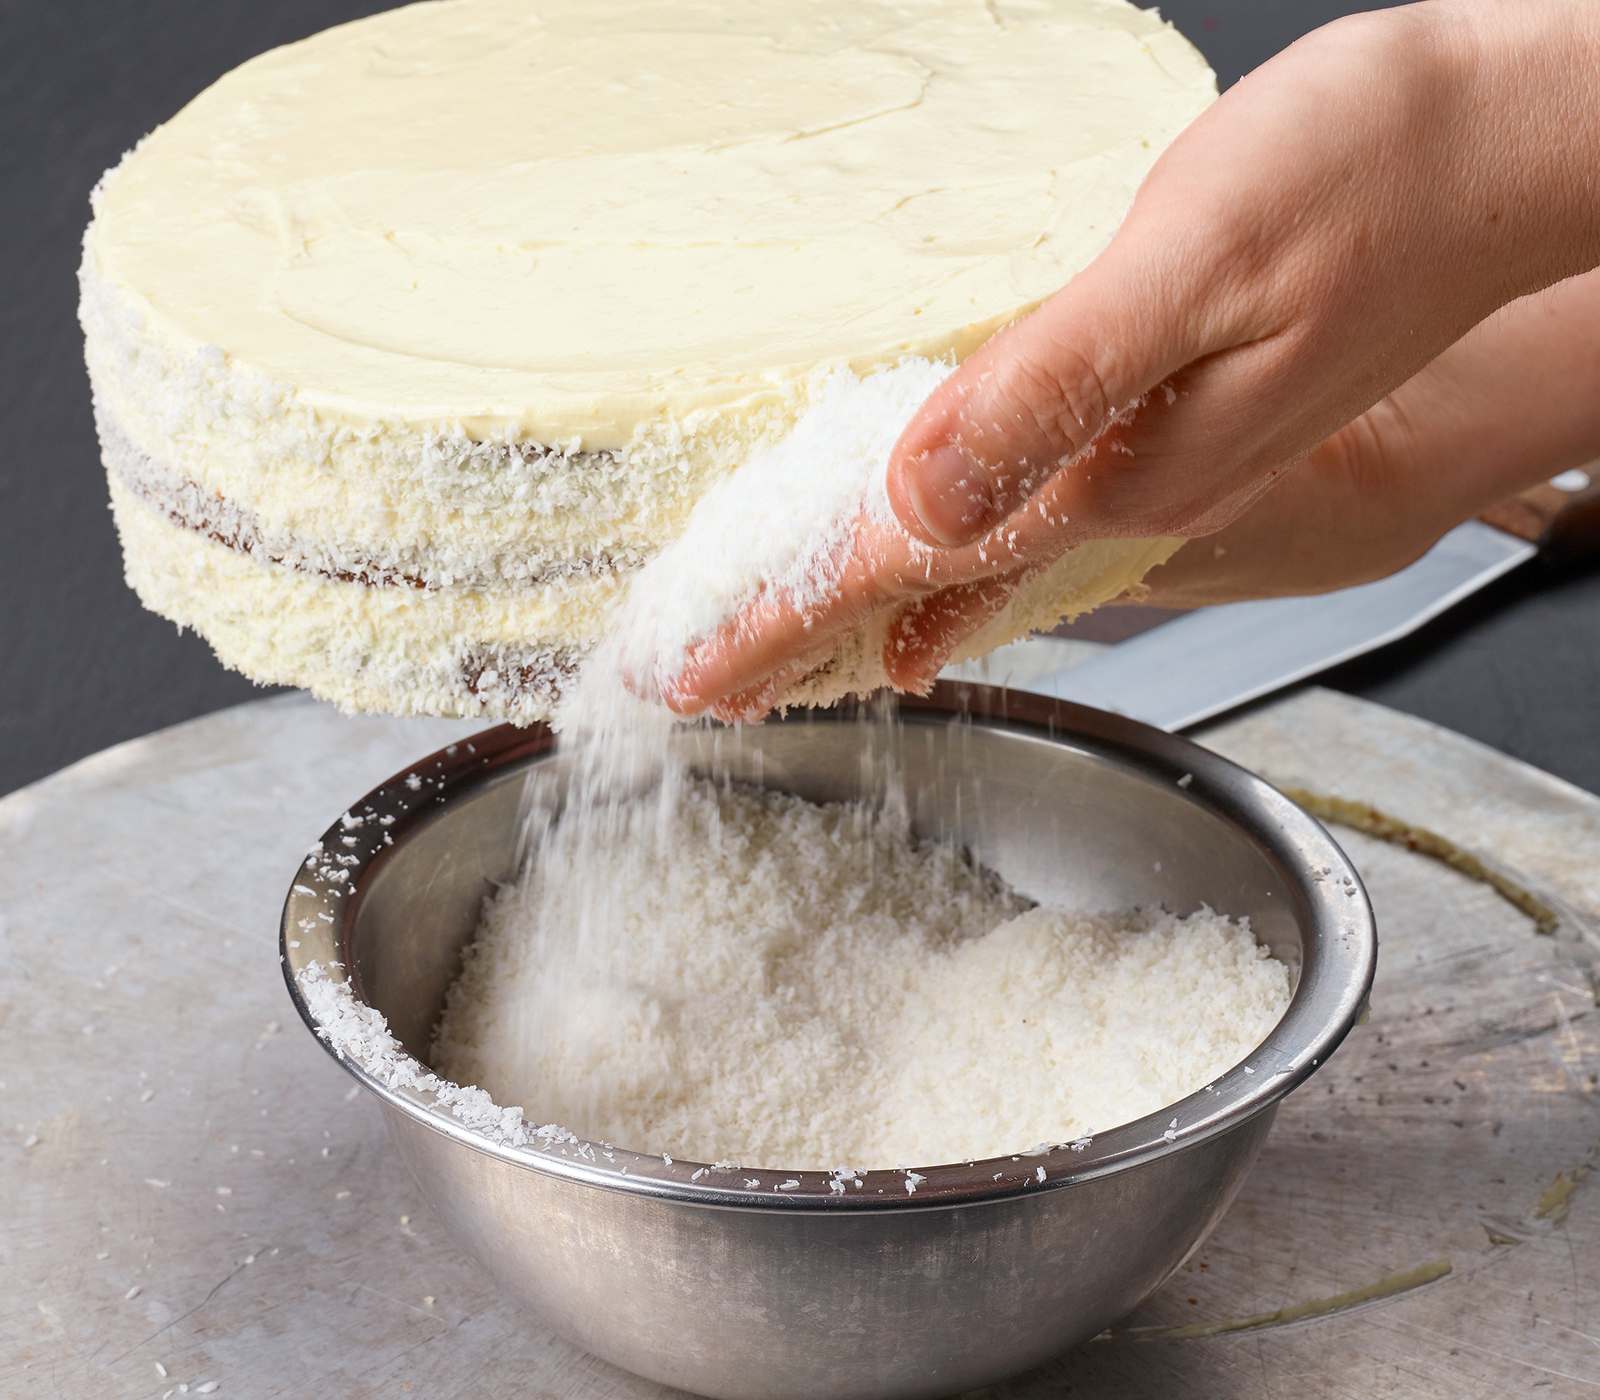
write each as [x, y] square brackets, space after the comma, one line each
[724, 972]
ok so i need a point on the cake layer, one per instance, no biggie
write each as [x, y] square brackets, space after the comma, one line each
[389, 490]
[464, 563]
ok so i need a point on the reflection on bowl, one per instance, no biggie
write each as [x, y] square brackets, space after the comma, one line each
[714, 1281]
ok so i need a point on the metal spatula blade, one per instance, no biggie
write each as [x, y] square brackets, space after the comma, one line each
[1197, 666]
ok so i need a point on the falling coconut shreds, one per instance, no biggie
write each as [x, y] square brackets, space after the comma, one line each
[710, 971]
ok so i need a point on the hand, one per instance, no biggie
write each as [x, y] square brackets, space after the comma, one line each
[1321, 234]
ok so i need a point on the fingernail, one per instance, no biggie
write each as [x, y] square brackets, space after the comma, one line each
[950, 494]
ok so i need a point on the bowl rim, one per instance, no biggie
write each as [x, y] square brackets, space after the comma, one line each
[326, 893]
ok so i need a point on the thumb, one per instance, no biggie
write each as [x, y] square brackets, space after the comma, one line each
[1027, 404]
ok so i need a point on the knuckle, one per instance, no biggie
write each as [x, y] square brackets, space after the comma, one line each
[1053, 407]
[1079, 404]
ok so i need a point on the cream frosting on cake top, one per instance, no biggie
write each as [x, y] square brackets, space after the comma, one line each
[565, 221]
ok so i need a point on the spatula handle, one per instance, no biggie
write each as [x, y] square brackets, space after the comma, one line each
[1564, 524]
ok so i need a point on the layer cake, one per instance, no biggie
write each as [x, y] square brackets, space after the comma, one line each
[412, 341]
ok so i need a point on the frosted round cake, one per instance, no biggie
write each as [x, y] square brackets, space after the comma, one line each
[412, 341]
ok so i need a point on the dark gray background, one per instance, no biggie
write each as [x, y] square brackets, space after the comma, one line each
[82, 666]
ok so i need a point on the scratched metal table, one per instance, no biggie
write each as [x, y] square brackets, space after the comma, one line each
[194, 1196]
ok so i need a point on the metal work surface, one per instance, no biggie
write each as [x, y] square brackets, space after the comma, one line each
[192, 1194]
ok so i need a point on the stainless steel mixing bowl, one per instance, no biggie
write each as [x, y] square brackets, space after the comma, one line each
[721, 1283]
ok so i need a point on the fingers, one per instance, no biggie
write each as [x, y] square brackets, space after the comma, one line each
[754, 703]
[742, 668]
[750, 661]
[925, 633]
[1023, 407]
[918, 644]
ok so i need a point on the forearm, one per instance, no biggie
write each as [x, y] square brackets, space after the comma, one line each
[1514, 402]
[1491, 165]
[1524, 159]
[1509, 405]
